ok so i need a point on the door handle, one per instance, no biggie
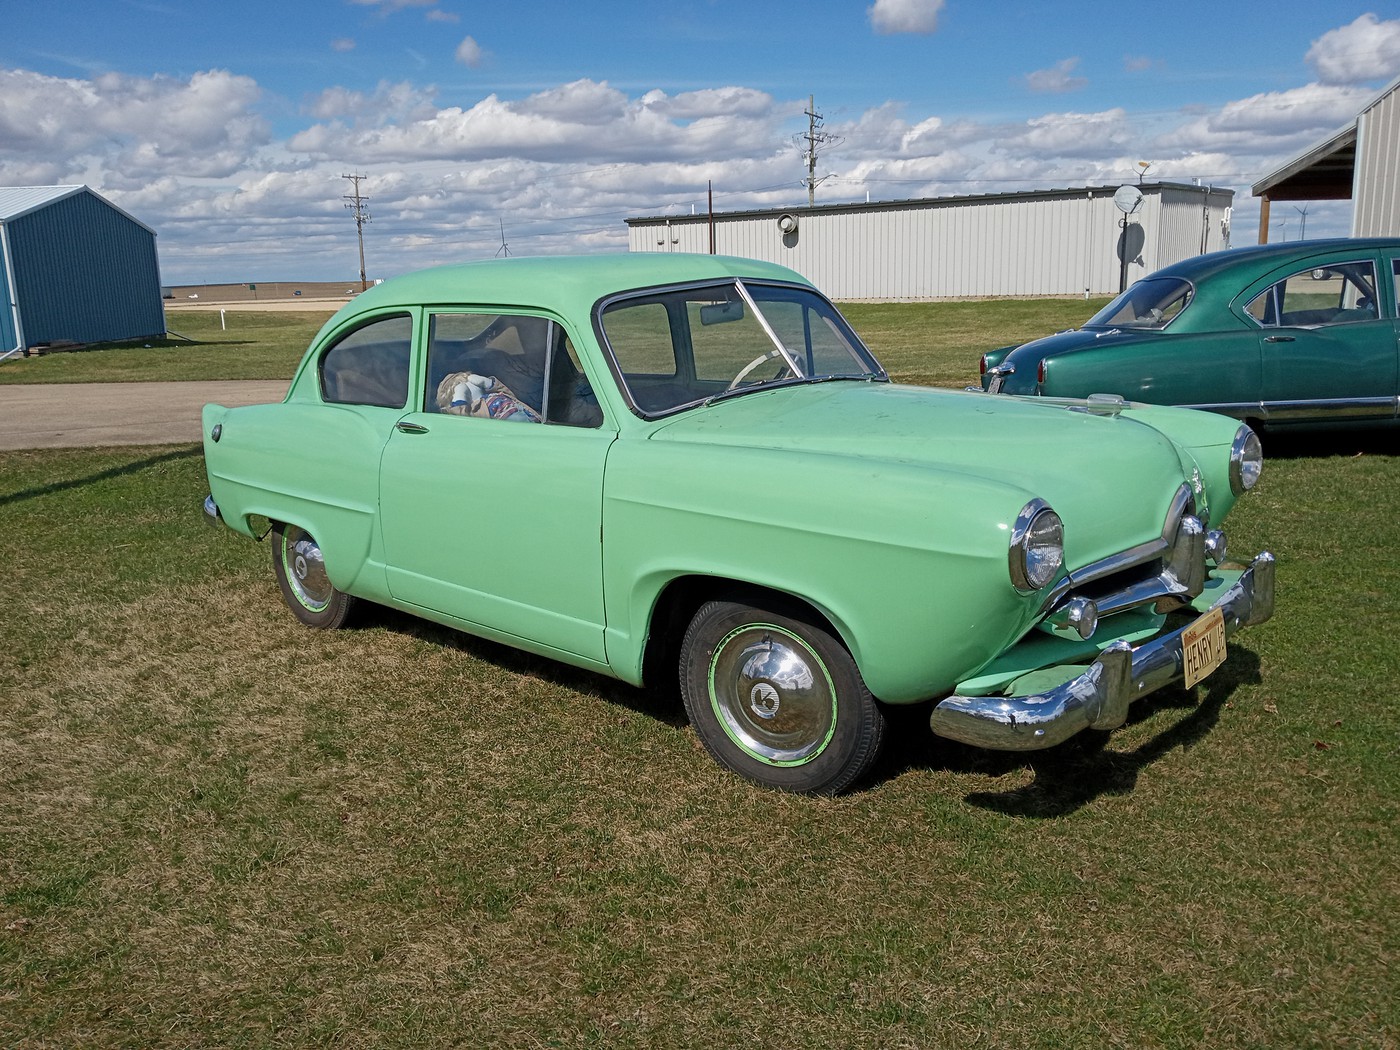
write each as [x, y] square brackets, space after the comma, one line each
[1278, 339]
[405, 427]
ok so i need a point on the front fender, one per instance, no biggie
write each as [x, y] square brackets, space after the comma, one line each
[908, 564]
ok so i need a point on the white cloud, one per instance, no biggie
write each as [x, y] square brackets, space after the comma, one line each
[389, 103]
[1274, 121]
[905, 16]
[342, 44]
[1056, 80]
[586, 121]
[1070, 135]
[389, 7]
[1364, 51]
[469, 53]
[139, 127]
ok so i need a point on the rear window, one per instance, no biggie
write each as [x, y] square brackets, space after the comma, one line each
[1152, 302]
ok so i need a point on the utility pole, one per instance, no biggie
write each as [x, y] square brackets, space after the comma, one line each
[358, 205]
[815, 137]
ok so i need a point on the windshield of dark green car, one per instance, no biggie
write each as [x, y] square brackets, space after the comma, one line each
[682, 346]
[1152, 302]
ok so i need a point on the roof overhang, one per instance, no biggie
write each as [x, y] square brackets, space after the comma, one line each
[1323, 173]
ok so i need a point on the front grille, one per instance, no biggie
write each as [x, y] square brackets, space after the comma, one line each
[1169, 569]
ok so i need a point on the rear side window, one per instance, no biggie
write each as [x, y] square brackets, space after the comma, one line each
[369, 366]
[1339, 293]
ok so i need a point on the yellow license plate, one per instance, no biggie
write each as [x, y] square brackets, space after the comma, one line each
[1203, 646]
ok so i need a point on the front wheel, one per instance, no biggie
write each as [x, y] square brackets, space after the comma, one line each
[778, 699]
[301, 575]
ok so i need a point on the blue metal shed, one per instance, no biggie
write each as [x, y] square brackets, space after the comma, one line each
[74, 268]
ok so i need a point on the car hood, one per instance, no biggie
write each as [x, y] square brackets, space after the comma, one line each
[1110, 477]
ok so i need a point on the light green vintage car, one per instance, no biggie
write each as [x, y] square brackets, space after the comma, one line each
[668, 466]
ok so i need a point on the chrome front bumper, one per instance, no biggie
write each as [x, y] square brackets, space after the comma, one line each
[211, 512]
[1099, 697]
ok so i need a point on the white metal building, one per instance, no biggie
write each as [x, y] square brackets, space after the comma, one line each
[1035, 243]
[1359, 162]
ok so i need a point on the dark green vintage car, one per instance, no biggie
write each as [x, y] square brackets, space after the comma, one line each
[1276, 335]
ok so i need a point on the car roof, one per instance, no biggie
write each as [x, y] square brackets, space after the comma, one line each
[1264, 257]
[569, 284]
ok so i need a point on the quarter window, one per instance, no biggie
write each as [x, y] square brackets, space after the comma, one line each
[369, 366]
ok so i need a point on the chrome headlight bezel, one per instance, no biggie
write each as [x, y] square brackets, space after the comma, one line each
[1037, 548]
[1246, 460]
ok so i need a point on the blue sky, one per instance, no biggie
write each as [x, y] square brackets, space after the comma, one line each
[227, 127]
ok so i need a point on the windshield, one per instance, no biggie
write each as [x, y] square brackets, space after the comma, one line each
[1150, 303]
[681, 346]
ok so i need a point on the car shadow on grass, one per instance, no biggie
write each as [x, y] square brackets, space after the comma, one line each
[134, 467]
[1340, 441]
[1085, 767]
[664, 705]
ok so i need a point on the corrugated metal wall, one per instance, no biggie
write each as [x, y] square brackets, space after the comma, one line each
[84, 272]
[1376, 181]
[1055, 243]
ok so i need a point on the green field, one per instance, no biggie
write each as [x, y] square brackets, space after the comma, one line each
[218, 828]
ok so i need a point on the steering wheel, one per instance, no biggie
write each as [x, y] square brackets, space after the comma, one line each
[743, 372]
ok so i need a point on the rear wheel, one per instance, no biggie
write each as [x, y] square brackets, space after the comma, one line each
[776, 697]
[301, 575]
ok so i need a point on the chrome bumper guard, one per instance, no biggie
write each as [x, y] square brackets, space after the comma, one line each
[211, 512]
[1099, 697]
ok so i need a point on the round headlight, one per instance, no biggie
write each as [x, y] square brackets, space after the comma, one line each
[1037, 546]
[1246, 461]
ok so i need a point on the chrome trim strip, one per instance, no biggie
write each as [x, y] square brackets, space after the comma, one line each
[1347, 407]
[1098, 698]
[1285, 411]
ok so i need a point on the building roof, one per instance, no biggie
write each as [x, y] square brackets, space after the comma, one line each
[933, 202]
[1323, 172]
[21, 200]
[18, 201]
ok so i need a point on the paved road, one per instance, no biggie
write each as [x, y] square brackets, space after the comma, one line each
[82, 415]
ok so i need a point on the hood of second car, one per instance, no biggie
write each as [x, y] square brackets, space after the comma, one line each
[1107, 469]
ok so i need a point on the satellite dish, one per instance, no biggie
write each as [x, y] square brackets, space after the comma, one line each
[1128, 199]
[787, 222]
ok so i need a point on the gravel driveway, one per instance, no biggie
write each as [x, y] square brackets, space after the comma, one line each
[83, 415]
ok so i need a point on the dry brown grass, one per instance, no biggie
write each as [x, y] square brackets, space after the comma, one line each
[220, 829]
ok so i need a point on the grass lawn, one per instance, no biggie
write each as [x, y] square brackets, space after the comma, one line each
[253, 345]
[222, 829]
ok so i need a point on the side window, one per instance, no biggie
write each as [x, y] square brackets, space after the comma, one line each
[512, 367]
[640, 337]
[1340, 293]
[369, 366]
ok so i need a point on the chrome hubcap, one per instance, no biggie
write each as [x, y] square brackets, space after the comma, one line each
[306, 570]
[772, 694]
